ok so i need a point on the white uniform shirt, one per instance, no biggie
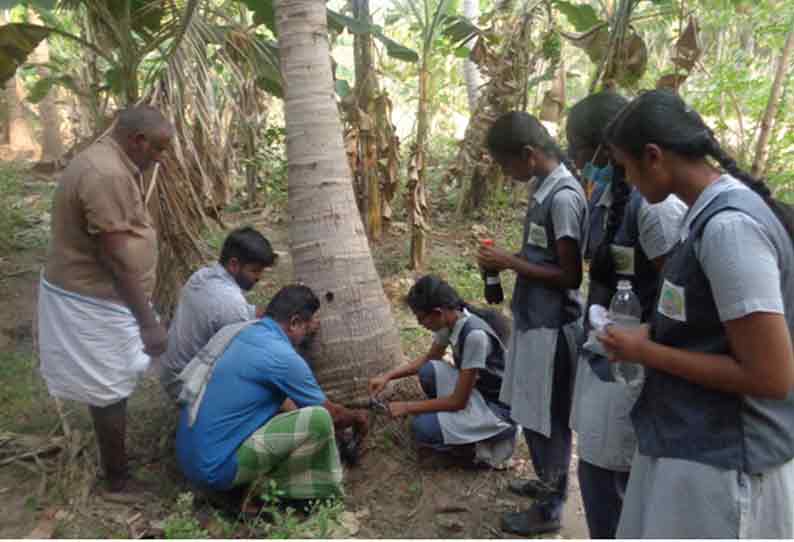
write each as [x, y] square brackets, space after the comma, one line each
[737, 256]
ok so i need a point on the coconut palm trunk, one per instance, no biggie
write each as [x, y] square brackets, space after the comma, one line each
[327, 239]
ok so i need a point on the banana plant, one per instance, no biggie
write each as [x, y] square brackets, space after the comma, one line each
[431, 18]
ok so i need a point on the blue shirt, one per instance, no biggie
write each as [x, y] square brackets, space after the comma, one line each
[257, 372]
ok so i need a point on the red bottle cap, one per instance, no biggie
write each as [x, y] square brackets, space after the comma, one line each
[487, 242]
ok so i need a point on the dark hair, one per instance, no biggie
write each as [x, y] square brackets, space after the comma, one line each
[432, 292]
[588, 118]
[249, 247]
[293, 300]
[586, 121]
[511, 133]
[141, 119]
[661, 117]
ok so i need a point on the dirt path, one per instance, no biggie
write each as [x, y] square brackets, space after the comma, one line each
[390, 493]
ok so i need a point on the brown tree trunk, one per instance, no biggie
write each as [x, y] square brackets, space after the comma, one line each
[250, 126]
[330, 254]
[20, 133]
[761, 149]
[51, 139]
[419, 215]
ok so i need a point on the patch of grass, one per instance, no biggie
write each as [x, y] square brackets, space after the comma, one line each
[23, 406]
[414, 334]
[24, 209]
[324, 519]
[15, 372]
[415, 488]
[386, 439]
[462, 273]
[278, 521]
[214, 237]
[12, 217]
[415, 340]
[182, 523]
[32, 503]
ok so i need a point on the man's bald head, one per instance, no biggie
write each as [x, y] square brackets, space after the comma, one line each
[144, 133]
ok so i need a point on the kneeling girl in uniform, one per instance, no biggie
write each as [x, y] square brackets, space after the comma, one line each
[546, 312]
[714, 418]
[628, 240]
[463, 407]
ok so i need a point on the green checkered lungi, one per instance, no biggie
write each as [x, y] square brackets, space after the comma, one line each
[298, 451]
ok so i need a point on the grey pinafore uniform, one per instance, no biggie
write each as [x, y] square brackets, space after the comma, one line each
[601, 407]
[483, 421]
[710, 464]
[543, 345]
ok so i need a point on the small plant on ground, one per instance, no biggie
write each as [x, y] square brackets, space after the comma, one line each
[277, 519]
[182, 523]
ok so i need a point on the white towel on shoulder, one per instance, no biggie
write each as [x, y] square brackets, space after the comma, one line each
[196, 374]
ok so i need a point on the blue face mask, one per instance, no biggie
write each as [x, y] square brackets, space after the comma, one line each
[599, 175]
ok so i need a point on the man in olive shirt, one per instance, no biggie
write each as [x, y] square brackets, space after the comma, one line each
[97, 327]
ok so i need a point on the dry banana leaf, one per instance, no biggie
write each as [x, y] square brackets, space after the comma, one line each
[688, 47]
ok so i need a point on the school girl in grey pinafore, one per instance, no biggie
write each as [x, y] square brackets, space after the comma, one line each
[538, 377]
[484, 422]
[601, 406]
[713, 464]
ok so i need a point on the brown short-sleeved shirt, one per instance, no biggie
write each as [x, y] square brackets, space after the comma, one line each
[99, 192]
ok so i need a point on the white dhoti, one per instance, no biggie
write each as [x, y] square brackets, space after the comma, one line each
[90, 349]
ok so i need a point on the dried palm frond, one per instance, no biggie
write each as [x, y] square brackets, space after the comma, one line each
[205, 74]
[195, 64]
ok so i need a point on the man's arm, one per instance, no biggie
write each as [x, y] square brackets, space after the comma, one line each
[344, 417]
[114, 255]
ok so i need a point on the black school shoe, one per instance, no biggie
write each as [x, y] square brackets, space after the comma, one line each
[534, 489]
[530, 522]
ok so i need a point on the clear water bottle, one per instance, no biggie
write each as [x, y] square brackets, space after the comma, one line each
[493, 285]
[625, 311]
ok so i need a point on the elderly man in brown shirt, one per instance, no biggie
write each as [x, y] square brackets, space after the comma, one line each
[97, 327]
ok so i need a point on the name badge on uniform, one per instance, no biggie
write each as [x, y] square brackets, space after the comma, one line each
[537, 236]
[623, 258]
[672, 301]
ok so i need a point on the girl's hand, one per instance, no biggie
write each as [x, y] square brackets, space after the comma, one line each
[376, 385]
[397, 409]
[493, 259]
[626, 344]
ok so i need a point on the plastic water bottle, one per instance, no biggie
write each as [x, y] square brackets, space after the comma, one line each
[493, 284]
[625, 311]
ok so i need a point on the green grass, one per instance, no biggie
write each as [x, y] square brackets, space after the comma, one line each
[462, 273]
[274, 521]
[24, 209]
[24, 406]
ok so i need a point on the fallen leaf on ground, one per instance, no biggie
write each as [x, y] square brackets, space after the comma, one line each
[46, 525]
[348, 526]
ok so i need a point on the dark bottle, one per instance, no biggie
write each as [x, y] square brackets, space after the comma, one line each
[493, 285]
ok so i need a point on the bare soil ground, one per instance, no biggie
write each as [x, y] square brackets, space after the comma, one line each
[391, 494]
